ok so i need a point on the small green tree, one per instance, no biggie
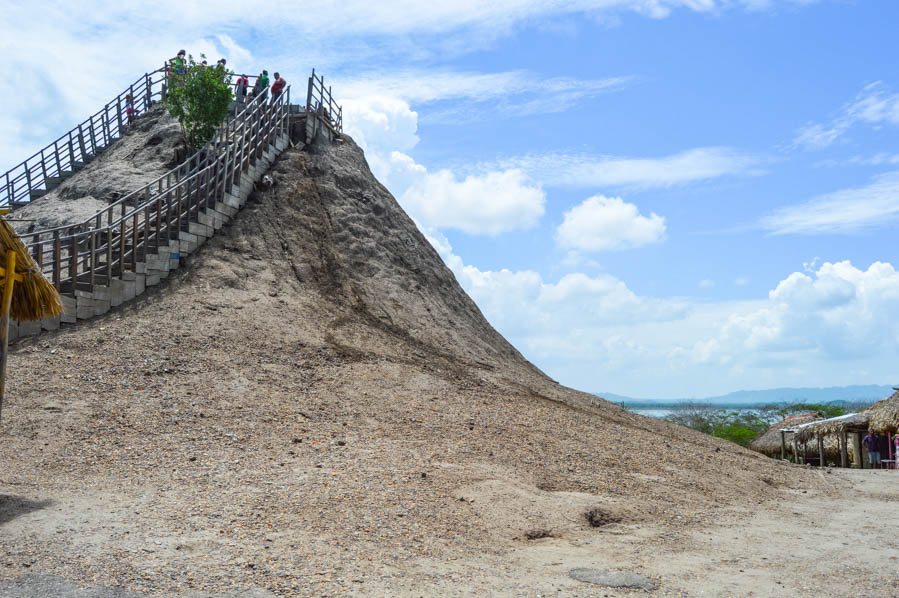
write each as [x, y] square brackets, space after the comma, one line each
[199, 99]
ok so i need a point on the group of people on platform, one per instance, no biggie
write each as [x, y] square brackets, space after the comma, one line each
[242, 91]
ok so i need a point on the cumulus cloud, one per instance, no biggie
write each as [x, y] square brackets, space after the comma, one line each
[842, 212]
[494, 203]
[603, 223]
[815, 328]
[838, 312]
[692, 165]
[873, 105]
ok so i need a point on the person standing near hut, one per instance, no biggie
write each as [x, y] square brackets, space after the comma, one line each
[872, 444]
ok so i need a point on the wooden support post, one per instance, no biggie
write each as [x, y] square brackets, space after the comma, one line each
[858, 451]
[783, 445]
[844, 452]
[821, 463]
[4, 318]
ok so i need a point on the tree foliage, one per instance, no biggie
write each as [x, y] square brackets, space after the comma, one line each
[199, 99]
[738, 426]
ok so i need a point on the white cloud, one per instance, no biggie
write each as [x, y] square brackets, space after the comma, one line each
[873, 105]
[381, 123]
[494, 203]
[594, 332]
[693, 165]
[488, 203]
[843, 212]
[706, 283]
[839, 312]
[421, 86]
[603, 223]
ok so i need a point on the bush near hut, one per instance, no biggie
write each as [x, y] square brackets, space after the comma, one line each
[741, 426]
[737, 426]
[199, 100]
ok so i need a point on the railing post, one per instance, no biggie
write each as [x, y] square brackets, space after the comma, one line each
[57, 259]
[73, 262]
[149, 91]
[56, 154]
[28, 179]
[81, 144]
[71, 154]
[118, 108]
[92, 138]
[104, 124]
[44, 168]
[93, 260]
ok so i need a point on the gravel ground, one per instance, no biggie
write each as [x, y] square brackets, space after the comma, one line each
[313, 406]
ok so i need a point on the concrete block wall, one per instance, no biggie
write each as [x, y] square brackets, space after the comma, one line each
[156, 266]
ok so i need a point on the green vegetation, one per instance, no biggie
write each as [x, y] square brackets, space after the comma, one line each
[741, 426]
[199, 99]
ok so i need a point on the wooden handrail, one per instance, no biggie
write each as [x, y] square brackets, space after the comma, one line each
[76, 146]
[113, 241]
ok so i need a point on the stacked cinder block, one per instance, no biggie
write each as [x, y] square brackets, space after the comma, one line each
[155, 266]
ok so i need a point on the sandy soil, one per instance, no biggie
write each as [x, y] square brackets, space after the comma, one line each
[313, 406]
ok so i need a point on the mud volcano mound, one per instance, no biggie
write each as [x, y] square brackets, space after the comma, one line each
[314, 402]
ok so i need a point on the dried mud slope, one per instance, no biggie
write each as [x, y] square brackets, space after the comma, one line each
[147, 150]
[314, 406]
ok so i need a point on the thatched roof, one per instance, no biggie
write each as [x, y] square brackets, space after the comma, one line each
[33, 297]
[768, 442]
[884, 415]
[832, 426]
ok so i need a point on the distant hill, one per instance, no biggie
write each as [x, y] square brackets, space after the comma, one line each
[869, 392]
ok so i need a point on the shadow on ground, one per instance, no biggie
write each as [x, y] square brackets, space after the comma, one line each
[13, 506]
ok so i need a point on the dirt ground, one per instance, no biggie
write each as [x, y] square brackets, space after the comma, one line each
[312, 406]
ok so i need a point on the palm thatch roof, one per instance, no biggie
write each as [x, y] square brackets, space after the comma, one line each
[768, 442]
[833, 426]
[33, 297]
[884, 415]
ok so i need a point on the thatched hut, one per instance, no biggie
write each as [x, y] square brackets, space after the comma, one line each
[771, 442]
[782, 440]
[884, 415]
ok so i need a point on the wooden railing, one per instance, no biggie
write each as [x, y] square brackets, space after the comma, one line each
[78, 146]
[114, 241]
[320, 101]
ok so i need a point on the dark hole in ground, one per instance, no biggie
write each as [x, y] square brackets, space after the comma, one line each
[536, 534]
[599, 518]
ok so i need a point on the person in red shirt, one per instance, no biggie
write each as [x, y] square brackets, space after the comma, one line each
[278, 87]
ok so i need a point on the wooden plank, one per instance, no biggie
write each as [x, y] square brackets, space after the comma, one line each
[822, 462]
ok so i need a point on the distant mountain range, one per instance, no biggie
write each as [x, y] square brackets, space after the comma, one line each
[870, 393]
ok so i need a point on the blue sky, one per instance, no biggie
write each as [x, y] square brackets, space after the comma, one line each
[647, 197]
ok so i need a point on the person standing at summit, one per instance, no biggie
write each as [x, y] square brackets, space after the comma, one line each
[278, 87]
[261, 87]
